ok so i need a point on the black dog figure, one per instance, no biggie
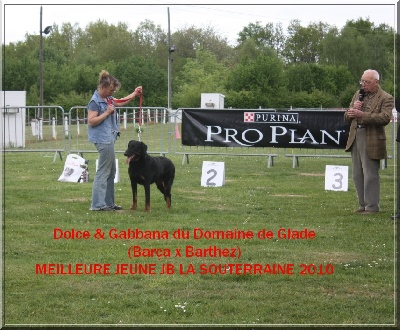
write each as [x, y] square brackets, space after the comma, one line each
[145, 170]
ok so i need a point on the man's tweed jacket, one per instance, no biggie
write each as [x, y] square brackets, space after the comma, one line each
[378, 109]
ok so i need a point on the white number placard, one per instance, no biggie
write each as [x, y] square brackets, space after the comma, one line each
[213, 174]
[336, 178]
[116, 179]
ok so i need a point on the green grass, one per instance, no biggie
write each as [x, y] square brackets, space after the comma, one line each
[254, 197]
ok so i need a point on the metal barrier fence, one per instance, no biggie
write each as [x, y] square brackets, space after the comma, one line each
[155, 129]
[49, 129]
[34, 129]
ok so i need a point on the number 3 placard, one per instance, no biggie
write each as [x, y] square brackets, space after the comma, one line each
[213, 174]
[336, 178]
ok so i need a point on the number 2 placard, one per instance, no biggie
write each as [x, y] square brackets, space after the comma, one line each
[213, 174]
[336, 178]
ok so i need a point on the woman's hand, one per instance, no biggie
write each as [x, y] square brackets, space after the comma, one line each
[138, 90]
[110, 109]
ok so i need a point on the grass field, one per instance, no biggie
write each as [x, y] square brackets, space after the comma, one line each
[344, 276]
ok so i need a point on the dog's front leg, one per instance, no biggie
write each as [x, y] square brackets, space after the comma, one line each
[134, 195]
[147, 197]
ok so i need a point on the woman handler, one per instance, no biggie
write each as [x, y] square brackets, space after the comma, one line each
[103, 130]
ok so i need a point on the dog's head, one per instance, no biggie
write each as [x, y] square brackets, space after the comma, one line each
[136, 150]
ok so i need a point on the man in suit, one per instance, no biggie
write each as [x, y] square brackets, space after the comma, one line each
[370, 111]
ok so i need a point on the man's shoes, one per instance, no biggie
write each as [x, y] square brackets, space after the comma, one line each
[368, 212]
[396, 216]
[117, 208]
[363, 211]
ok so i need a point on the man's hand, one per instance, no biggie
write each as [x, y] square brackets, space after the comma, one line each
[354, 113]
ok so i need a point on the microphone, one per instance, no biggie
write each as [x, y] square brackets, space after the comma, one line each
[361, 94]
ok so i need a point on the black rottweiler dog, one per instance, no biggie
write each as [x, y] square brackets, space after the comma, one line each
[145, 170]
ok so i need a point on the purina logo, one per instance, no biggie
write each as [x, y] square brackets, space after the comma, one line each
[271, 117]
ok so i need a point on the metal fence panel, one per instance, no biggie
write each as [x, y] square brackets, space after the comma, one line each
[34, 129]
[50, 129]
[155, 129]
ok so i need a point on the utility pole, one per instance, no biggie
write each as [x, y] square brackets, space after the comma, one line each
[41, 64]
[171, 49]
[47, 30]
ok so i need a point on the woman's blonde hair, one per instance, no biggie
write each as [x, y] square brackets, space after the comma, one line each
[108, 81]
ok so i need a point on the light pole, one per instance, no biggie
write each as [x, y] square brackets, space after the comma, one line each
[47, 30]
[171, 49]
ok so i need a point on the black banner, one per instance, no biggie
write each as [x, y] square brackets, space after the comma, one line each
[324, 129]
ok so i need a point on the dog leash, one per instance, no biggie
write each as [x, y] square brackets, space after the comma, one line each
[140, 115]
[140, 109]
[126, 99]
[123, 99]
[112, 100]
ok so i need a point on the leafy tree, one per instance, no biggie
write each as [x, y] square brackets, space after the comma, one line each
[308, 66]
[21, 65]
[248, 51]
[242, 100]
[200, 75]
[84, 78]
[360, 46]
[150, 41]
[304, 43]
[300, 78]
[315, 99]
[264, 37]
[140, 71]
[263, 76]
[72, 99]
[314, 78]
[189, 40]
[346, 95]
[107, 42]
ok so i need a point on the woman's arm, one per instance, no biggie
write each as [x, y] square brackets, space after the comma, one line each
[93, 115]
[125, 100]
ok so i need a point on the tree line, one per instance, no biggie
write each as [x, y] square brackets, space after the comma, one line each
[314, 66]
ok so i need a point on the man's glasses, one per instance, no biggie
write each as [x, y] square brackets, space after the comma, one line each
[366, 82]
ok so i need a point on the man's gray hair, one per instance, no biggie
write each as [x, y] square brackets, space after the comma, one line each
[374, 73]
